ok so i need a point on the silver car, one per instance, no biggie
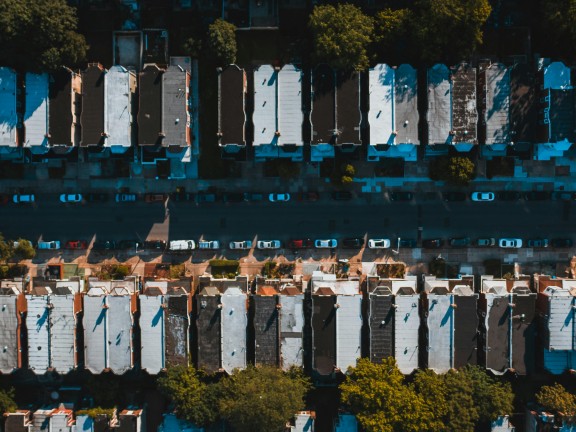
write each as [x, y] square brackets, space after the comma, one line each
[325, 243]
[510, 243]
[245, 244]
[268, 244]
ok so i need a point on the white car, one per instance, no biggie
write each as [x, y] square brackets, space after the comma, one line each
[510, 243]
[245, 244]
[378, 243]
[209, 244]
[70, 198]
[274, 197]
[268, 244]
[182, 245]
[49, 245]
[23, 199]
[325, 244]
[482, 196]
[125, 197]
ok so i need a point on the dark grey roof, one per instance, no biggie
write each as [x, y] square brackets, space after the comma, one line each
[562, 115]
[266, 330]
[150, 109]
[176, 323]
[92, 119]
[523, 333]
[464, 113]
[348, 108]
[175, 115]
[60, 108]
[231, 108]
[323, 114]
[465, 331]
[209, 333]
[497, 334]
[381, 323]
[16, 422]
[323, 334]
[523, 104]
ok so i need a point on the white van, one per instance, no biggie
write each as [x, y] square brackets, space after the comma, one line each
[49, 244]
[209, 245]
[182, 245]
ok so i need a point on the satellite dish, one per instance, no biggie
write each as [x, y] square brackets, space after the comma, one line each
[54, 395]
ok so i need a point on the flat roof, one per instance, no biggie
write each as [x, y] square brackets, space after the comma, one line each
[497, 115]
[348, 331]
[497, 336]
[524, 333]
[265, 114]
[464, 112]
[465, 330]
[381, 322]
[37, 322]
[176, 330]
[440, 322]
[381, 113]
[208, 322]
[36, 115]
[406, 105]
[559, 336]
[61, 107]
[150, 105]
[523, 104]
[8, 116]
[557, 76]
[152, 331]
[63, 333]
[175, 98]
[93, 105]
[95, 343]
[265, 330]
[291, 328]
[323, 334]
[562, 121]
[231, 105]
[120, 321]
[234, 322]
[439, 114]
[348, 112]
[323, 115]
[406, 326]
[118, 122]
[290, 113]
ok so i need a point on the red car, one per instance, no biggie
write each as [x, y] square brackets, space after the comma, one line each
[76, 244]
[300, 244]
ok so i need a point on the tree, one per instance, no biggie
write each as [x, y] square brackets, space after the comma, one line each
[7, 403]
[193, 399]
[462, 413]
[261, 399]
[6, 250]
[24, 250]
[392, 33]
[559, 17]
[222, 42]
[557, 400]
[456, 170]
[341, 36]
[432, 387]
[45, 30]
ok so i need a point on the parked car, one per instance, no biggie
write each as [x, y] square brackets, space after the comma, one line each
[562, 243]
[152, 197]
[564, 196]
[244, 244]
[205, 197]
[279, 197]
[71, 198]
[23, 198]
[342, 195]
[326, 244]
[130, 244]
[460, 242]
[538, 243]
[97, 197]
[253, 196]
[407, 243]
[454, 196]
[379, 243]
[401, 196]
[508, 196]
[155, 245]
[233, 197]
[300, 244]
[209, 244]
[268, 244]
[182, 245]
[308, 196]
[353, 243]
[510, 243]
[486, 242]
[482, 196]
[126, 197]
[182, 196]
[49, 244]
[537, 196]
[104, 245]
[76, 244]
[432, 243]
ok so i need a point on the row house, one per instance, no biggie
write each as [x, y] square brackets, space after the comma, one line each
[232, 91]
[336, 323]
[8, 112]
[58, 419]
[556, 305]
[13, 307]
[36, 118]
[393, 113]
[508, 327]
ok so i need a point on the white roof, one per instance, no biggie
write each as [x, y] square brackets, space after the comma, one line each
[38, 321]
[265, 105]
[152, 331]
[84, 423]
[95, 343]
[8, 334]
[407, 323]
[328, 280]
[117, 107]
[560, 323]
[8, 116]
[290, 115]
[303, 422]
[497, 286]
[557, 76]
[348, 331]
[381, 114]
[440, 323]
[406, 104]
[497, 115]
[408, 282]
[234, 321]
[119, 333]
[36, 115]
[62, 333]
[439, 114]
[291, 328]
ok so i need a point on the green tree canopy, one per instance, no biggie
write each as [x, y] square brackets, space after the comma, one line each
[559, 17]
[261, 399]
[557, 400]
[392, 34]
[193, 399]
[222, 42]
[456, 170]
[341, 35]
[6, 250]
[39, 35]
[7, 403]
[25, 249]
